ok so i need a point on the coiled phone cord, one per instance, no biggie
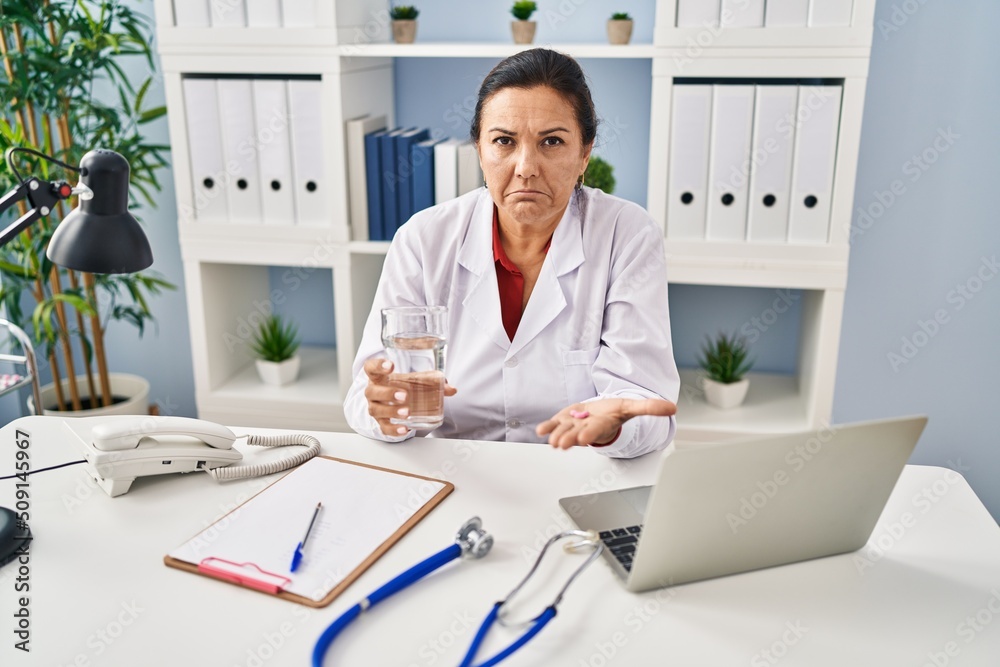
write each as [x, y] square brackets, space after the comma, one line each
[242, 472]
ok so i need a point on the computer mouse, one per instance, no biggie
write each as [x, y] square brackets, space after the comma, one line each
[14, 536]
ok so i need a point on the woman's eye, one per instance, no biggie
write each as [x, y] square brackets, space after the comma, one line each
[503, 141]
[552, 141]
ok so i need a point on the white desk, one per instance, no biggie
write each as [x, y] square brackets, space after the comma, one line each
[100, 594]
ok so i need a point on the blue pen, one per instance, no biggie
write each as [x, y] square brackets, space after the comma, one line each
[297, 556]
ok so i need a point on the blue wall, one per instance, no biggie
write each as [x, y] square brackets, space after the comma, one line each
[930, 71]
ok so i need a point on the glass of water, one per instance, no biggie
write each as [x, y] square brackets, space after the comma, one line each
[414, 338]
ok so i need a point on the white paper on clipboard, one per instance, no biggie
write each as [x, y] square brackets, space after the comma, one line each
[363, 507]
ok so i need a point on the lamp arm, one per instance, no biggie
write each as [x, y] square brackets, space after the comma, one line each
[42, 195]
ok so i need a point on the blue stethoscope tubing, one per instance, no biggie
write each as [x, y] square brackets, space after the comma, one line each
[411, 576]
[537, 624]
[471, 541]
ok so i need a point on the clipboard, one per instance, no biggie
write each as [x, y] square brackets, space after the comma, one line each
[246, 547]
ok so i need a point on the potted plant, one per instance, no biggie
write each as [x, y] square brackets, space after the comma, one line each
[620, 28]
[725, 360]
[57, 52]
[404, 23]
[600, 174]
[523, 29]
[275, 344]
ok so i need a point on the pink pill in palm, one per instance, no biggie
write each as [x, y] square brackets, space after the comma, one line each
[579, 414]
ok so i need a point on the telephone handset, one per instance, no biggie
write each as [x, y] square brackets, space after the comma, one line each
[120, 448]
[126, 434]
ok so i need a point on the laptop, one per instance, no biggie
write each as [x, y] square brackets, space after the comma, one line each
[719, 509]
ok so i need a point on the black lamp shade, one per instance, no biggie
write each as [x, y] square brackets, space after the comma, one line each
[101, 236]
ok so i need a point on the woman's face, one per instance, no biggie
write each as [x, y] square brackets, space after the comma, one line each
[532, 153]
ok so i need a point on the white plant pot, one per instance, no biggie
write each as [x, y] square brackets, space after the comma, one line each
[133, 388]
[725, 396]
[278, 373]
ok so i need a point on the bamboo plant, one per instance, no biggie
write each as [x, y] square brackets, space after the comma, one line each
[64, 91]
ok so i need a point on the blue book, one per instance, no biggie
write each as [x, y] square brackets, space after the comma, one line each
[373, 178]
[404, 172]
[389, 182]
[422, 157]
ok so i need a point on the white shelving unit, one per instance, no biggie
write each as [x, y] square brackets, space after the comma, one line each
[226, 264]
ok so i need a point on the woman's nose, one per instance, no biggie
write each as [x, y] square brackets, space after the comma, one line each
[527, 161]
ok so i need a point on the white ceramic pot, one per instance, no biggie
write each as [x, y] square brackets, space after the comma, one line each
[133, 388]
[278, 373]
[725, 396]
[524, 31]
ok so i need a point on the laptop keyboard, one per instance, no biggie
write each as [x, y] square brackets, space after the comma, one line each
[621, 542]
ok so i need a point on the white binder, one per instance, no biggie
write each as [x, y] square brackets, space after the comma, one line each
[815, 157]
[830, 12]
[470, 175]
[786, 13]
[354, 137]
[728, 172]
[311, 188]
[697, 13]
[228, 13]
[201, 110]
[690, 137]
[264, 13]
[239, 149]
[191, 13]
[446, 170]
[275, 159]
[742, 13]
[298, 13]
[771, 169]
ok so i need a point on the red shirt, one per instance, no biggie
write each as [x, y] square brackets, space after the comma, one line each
[510, 280]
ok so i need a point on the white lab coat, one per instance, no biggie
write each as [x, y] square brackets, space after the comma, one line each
[596, 324]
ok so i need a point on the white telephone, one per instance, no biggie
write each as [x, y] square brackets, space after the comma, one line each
[118, 449]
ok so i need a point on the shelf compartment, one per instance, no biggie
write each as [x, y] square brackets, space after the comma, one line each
[318, 384]
[774, 404]
[757, 264]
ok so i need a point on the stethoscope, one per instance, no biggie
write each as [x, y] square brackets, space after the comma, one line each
[471, 542]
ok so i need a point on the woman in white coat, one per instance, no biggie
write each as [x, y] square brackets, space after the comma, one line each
[556, 292]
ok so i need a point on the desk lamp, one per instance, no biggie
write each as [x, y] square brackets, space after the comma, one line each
[100, 235]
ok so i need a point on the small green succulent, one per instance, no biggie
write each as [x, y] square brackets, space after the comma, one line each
[403, 13]
[621, 16]
[274, 340]
[523, 9]
[725, 358]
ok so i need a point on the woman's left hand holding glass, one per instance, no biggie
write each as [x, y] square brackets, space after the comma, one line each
[599, 422]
